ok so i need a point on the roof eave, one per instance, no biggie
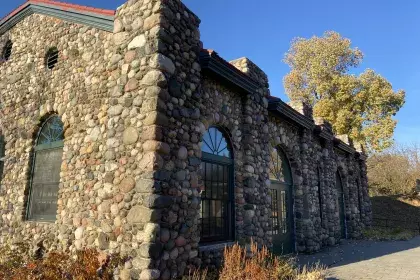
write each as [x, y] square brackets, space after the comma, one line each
[97, 20]
[280, 108]
[211, 61]
[343, 146]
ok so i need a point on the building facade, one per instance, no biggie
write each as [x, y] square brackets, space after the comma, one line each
[121, 132]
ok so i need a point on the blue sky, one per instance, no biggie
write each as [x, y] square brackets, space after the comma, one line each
[386, 31]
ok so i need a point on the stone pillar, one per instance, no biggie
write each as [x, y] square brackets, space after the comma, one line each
[330, 221]
[308, 240]
[254, 210]
[156, 64]
[353, 193]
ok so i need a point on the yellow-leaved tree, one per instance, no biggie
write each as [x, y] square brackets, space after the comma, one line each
[361, 106]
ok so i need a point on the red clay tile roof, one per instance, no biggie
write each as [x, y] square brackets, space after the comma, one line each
[61, 5]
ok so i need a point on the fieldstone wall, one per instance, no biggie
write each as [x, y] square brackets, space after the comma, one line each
[135, 104]
[76, 90]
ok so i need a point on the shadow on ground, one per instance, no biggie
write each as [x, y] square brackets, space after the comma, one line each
[352, 251]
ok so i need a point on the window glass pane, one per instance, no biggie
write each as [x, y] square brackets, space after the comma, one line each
[274, 211]
[45, 181]
[279, 167]
[214, 182]
[283, 203]
[215, 199]
[51, 131]
[214, 142]
[46, 171]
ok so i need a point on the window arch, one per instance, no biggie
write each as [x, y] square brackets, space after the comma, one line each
[217, 213]
[45, 175]
[215, 143]
[279, 167]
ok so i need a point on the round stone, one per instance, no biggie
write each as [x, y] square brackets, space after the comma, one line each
[78, 234]
[182, 153]
[174, 254]
[137, 42]
[130, 136]
[127, 184]
[154, 78]
[131, 85]
[164, 235]
[149, 274]
[180, 241]
[115, 110]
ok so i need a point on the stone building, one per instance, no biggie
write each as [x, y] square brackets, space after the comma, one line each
[121, 132]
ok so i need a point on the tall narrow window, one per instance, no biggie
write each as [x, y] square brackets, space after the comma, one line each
[217, 213]
[2, 155]
[45, 177]
[320, 195]
[51, 58]
[281, 202]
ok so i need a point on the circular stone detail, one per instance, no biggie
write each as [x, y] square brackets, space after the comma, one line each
[130, 136]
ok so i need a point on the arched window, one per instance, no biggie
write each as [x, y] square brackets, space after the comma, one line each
[281, 202]
[45, 176]
[340, 203]
[217, 213]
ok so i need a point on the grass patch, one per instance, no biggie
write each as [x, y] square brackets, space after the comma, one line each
[388, 234]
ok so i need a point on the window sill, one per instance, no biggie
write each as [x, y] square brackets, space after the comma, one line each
[40, 222]
[216, 246]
